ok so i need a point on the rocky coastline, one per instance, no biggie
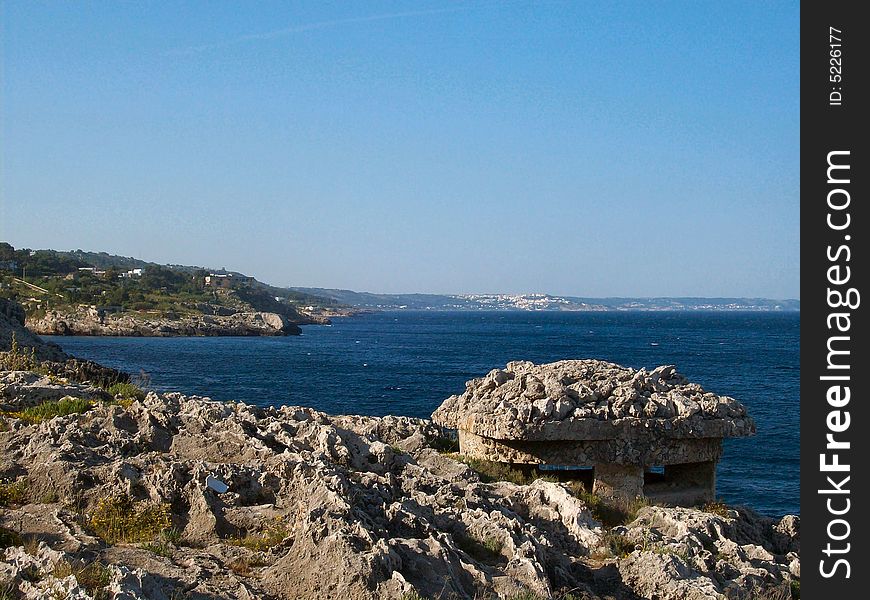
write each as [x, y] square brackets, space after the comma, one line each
[88, 320]
[133, 495]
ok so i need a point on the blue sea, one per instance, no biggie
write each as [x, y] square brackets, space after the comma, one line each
[406, 363]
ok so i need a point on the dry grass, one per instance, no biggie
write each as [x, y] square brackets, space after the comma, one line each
[612, 511]
[490, 471]
[93, 577]
[270, 537]
[8, 590]
[718, 508]
[244, 566]
[18, 358]
[118, 519]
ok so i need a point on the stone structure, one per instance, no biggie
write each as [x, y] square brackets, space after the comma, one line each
[640, 433]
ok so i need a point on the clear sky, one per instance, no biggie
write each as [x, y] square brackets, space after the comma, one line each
[581, 148]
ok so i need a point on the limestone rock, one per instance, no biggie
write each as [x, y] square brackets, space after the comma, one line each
[690, 554]
[553, 401]
[12, 324]
[359, 508]
[85, 320]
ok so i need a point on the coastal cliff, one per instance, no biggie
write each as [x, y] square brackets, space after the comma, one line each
[124, 494]
[87, 320]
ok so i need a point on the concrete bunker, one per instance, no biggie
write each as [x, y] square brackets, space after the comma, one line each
[640, 433]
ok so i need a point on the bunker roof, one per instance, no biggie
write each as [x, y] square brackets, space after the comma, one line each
[588, 400]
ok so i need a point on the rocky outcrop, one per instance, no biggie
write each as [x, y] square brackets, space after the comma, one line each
[275, 503]
[32, 352]
[24, 389]
[89, 320]
[12, 326]
[683, 554]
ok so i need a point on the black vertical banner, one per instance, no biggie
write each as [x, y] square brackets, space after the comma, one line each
[835, 421]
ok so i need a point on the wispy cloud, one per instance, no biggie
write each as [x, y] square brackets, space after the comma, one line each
[278, 33]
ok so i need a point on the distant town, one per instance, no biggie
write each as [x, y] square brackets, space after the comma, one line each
[543, 302]
[45, 280]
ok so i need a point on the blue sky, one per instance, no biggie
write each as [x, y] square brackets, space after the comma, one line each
[584, 148]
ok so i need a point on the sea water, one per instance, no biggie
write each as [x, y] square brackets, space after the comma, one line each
[407, 362]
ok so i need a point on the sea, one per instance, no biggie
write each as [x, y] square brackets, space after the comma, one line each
[408, 362]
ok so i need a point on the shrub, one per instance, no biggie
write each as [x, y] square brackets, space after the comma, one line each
[445, 445]
[526, 595]
[9, 538]
[618, 545]
[49, 497]
[717, 508]
[120, 519]
[126, 391]
[13, 492]
[17, 358]
[164, 543]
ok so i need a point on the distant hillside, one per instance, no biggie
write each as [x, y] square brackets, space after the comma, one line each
[47, 263]
[62, 286]
[103, 260]
[367, 300]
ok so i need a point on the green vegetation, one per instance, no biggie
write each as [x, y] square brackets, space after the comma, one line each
[486, 550]
[795, 589]
[270, 537]
[49, 497]
[119, 519]
[530, 595]
[165, 542]
[126, 391]
[521, 595]
[68, 405]
[13, 493]
[67, 279]
[611, 511]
